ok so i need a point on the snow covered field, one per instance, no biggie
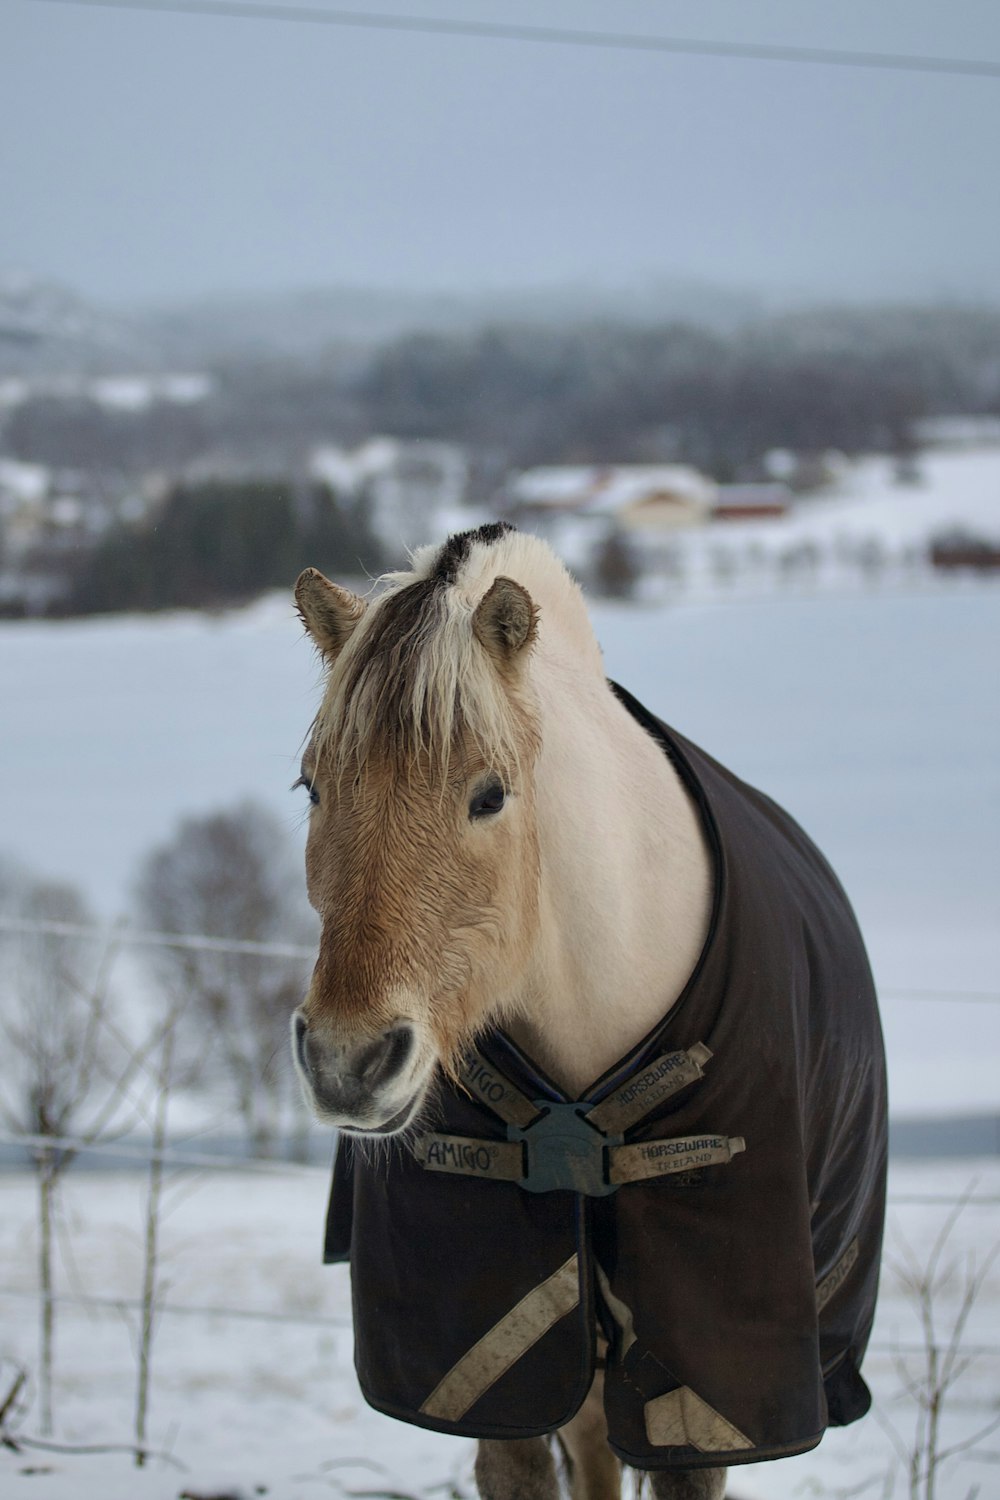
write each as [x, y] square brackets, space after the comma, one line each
[267, 1407]
[863, 528]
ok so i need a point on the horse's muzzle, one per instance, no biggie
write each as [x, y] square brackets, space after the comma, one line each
[359, 1086]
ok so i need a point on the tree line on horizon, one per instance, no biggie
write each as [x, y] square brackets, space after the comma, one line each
[218, 543]
[517, 394]
[513, 395]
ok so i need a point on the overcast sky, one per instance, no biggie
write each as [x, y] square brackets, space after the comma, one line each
[157, 156]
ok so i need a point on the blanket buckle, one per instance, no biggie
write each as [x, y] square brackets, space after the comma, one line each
[564, 1152]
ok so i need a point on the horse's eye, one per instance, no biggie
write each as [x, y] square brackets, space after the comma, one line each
[310, 787]
[489, 800]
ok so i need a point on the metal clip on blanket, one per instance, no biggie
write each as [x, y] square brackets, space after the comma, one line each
[565, 1152]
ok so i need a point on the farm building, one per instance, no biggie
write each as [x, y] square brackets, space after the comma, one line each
[751, 502]
[636, 497]
[412, 488]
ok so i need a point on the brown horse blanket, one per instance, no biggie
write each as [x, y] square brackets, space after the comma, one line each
[713, 1207]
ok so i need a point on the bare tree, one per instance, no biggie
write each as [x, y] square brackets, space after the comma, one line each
[164, 1067]
[64, 1074]
[943, 1293]
[229, 875]
[617, 566]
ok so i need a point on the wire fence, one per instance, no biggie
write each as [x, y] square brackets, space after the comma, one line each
[139, 1154]
[132, 1152]
[132, 1306]
[181, 1309]
[316, 1320]
[120, 935]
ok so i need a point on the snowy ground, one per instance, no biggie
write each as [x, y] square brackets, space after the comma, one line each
[865, 528]
[268, 1407]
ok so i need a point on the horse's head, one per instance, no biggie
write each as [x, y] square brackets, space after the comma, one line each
[422, 857]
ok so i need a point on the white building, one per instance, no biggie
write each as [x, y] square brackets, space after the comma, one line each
[636, 497]
[577, 508]
[411, 488]
[24, 493]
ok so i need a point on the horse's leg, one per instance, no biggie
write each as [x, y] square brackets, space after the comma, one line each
[688, 1484]
[594, 1471]
[516, 1469]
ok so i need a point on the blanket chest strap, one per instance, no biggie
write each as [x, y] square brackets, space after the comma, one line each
[562, 1153]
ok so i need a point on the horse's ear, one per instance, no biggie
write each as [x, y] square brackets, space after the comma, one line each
[328, 612]
[506, 620]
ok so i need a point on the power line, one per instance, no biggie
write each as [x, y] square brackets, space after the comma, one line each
[311, 15]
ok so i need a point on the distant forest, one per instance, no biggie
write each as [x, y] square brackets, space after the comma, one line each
[219, 542]
[519, 394]
[854, 380]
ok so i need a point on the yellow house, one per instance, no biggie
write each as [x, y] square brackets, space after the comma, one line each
[635, 497]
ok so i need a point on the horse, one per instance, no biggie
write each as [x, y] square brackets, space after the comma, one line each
[528, 887]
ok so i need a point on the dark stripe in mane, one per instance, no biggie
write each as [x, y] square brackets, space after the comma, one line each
[392, 649]
[456, 549]
[385, 671]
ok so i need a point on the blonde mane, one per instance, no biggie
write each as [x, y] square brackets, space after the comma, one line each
[413, 683]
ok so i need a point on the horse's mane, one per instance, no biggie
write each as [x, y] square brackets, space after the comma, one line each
[413, 682]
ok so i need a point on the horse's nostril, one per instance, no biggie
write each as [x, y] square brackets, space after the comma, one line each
[388, 1055]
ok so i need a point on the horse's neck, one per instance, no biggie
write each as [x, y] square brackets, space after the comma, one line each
[625, 889]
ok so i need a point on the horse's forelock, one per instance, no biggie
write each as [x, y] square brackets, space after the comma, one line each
[413, 685]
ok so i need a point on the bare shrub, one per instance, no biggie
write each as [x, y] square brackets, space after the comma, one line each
[230, 875]
[943, 1292]
[64, 1071]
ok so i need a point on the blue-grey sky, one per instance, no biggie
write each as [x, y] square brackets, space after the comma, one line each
[159, 156]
